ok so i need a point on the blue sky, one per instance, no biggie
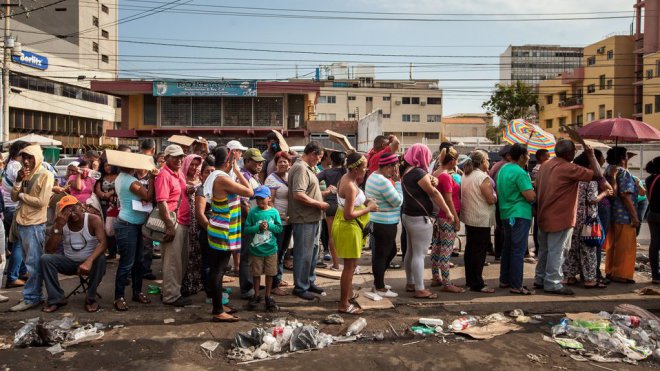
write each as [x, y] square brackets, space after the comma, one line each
[197, 24]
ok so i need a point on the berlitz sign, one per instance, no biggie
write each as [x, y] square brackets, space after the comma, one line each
[31, 60]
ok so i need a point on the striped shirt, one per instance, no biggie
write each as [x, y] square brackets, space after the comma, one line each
[224, 230]
[387, 196]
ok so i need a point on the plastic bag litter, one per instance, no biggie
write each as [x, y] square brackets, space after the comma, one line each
[254, 338]
[55, 349]
[333, 319]
[636, 311]
[305, 337]
[83, 334]
[28, 335]
[496, 317]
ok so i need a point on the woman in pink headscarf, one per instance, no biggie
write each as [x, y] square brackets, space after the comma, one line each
[419, 196]
[192, 280]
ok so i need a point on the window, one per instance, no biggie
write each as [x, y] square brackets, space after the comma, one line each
[591, 61]
[609, 84]
[351, 116]
[150, 113]
[548, 99]
[434, 100]
[414, 100]
[562, 96]
[610, 54]
[105, 58]
[657, 103]
[578, 120]
[649, 74]
[548, 124]
[414, 118]
[601, 111]
[591, 88]
[386, 115]
[433, 118]
[329, 99]
[405, 118]
[105, 34]
[432, 135]
[105, 9]
[410, 134]
[609, 113]
[590, 116]
[657, 68]
[405, 100]
[95, 46]
[386, 99]
[95, 21]
[351, 97]
[369, 99]
[648, 108]
[601, 82]
[562, 121]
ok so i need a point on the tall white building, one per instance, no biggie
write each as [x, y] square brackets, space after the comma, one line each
[533, 63]
[65, 46]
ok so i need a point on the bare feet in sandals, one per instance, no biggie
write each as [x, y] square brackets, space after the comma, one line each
[91, 306]
[452, 289]
[50, 308]
[351, 309]
[224, 317]
[425, 294]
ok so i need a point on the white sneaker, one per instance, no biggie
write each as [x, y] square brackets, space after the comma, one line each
[3, 299]
[386, 294]
[23, 305]
[388, 287]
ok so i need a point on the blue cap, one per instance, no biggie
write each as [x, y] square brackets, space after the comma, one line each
[262, 192]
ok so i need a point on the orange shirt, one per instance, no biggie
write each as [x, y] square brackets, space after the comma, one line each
[557, 184]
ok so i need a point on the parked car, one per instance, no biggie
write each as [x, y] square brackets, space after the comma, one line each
[62, 165]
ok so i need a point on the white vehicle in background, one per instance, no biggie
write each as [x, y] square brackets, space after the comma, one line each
[62, 164]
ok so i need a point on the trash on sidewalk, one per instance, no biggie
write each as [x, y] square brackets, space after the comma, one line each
[496, 317]
[356, 327]
[569, 343]
[5, 343]
[333, 319]
[65, 332]
[490, 330]
[516, 313]
[648, 290]
[431, 321]
[372, 296]
[538, 358]
[153, 290]
[55, 349]
[168, 320]
[209, 346]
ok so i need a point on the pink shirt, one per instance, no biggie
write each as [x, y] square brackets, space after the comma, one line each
[169, 187]
[447, 184]
[86, 190]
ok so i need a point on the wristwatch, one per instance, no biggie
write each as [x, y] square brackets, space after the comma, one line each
[57, 231]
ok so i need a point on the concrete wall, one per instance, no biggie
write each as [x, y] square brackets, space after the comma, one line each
[369, 127]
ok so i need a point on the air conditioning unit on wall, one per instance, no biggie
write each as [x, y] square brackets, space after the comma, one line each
[422, 103]
[397, 102]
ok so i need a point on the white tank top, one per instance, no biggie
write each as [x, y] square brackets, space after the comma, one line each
[78, 246]
[359, 199]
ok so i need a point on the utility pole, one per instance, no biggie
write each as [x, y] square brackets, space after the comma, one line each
[5, 75]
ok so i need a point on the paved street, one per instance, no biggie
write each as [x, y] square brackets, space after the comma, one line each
[146, 341]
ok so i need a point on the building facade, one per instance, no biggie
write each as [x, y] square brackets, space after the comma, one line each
[412, 109]
[533, 63]
[466, 125]
[65, 46]
[647, 52]
[602, 88]
[220, 110]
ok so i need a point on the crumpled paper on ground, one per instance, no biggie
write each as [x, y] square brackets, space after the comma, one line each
[490, 330]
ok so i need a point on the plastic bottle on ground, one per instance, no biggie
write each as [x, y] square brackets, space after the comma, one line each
[356, 327]
[626, 320]
[463, 323]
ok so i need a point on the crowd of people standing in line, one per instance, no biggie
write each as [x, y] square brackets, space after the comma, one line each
[240, 205]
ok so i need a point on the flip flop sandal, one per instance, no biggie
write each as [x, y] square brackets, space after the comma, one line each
[120, 305]
[487, 290]
[227, 279]
[395, 266]
[354, 297]
[597, 285]
[352, 309]
[53, 307]
[457, 290]
[91, 307]
[141, 298]
[429, 296]
[284, 283]
[229, 310]
[410, 288]
[522, 291]
[225, 319]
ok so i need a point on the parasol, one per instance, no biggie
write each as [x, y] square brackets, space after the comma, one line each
[620, 129]
[523, 132]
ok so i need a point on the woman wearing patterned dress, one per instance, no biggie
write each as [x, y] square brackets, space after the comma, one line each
[224, 229]
[582, 259]
[192, 281]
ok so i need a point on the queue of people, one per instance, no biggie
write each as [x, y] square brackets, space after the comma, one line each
[234, 204]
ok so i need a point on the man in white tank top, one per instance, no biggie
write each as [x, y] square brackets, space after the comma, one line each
[83, 238]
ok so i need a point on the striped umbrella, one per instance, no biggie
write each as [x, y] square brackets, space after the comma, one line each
[523, 132]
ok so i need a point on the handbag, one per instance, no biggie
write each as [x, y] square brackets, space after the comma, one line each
[431, 217]
[367, 229]
[592, 231]
[154, 227]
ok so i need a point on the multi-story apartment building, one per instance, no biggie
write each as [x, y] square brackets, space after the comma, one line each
[533, 63]
[602, 88]
[412, 109]
[65, 45]
[647, 52]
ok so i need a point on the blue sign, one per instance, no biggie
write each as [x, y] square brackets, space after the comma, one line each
[31, 60]
[205, 88]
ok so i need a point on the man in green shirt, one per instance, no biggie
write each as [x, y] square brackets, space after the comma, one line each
[515, 193]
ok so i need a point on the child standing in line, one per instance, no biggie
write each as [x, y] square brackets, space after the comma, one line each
[262, 225]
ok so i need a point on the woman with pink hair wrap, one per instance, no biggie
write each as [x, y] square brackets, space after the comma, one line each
[419, 195]
[192, 281]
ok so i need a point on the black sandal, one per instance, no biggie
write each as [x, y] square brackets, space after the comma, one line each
[141, 298]
[522, 291]
[120, 305]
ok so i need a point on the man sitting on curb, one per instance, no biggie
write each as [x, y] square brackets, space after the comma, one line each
[84, 242]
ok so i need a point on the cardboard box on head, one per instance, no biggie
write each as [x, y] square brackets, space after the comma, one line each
[340, 139]
[130, 160]
[182, 140]
[284, 146]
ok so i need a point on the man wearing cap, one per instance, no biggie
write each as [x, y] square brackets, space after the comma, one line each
[499, 229]
[83, 238]
[33, 188]
[252, 166]
[170, 186]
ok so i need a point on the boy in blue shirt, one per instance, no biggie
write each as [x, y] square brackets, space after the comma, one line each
[262, 226]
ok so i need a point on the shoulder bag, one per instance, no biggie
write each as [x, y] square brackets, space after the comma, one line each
[430, 216]
[592, 231]
[154, 227]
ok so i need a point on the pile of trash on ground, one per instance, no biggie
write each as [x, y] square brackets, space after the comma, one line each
[58, 334]
[630, 334]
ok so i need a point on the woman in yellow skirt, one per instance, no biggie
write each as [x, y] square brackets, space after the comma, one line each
[352, 215]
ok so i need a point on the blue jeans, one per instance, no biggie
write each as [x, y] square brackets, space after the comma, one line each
[32, 239]
[244, 273]
[15, 266]
[283, 240]
[642, 206]
[131, 251]
[305, 251]
[515, 233]
[52, 264]
[553, 247]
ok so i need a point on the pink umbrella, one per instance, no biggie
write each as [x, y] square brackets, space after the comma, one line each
[620, 129]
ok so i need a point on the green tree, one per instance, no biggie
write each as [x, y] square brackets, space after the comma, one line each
[511, 101]
[493, 133]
